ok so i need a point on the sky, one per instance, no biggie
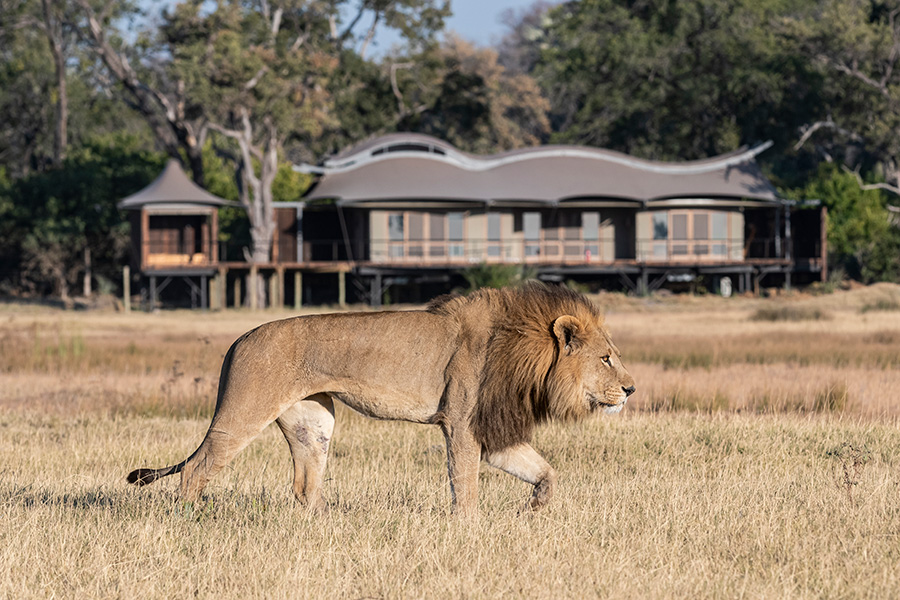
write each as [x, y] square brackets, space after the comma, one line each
[478, 21]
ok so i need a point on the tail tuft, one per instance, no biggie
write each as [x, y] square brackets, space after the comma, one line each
[141, 477]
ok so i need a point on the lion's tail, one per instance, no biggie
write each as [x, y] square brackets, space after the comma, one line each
[141, 477]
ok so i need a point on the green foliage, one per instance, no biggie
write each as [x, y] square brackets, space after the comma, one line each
[674, 80]
[52, 217]
[860, 236]
[496, 276]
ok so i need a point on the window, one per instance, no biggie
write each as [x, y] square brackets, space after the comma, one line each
[416, 226]
[701, 226]
[696, 233]
[660, 235]
[719, 225]
[590, 224]
[436, 227]
[494, 249]
[395, 227]
[719, 233]
[660, 226]
[455, 226]
[493, 224]
[531, 223]
[679, 227]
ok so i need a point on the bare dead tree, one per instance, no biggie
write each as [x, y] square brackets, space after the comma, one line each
[164, 112]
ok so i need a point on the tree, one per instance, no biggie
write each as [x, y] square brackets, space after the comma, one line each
[26, 81]
[673, 80]
[856, 43]
[53, 218]
[253, 72]
[472, 101]
[159, 99]
[860, 236]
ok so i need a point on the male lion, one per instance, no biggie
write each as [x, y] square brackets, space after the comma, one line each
[486, 368]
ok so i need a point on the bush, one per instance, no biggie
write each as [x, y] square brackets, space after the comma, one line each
[790, 313]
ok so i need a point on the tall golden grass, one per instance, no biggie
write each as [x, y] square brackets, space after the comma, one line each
[758, 459]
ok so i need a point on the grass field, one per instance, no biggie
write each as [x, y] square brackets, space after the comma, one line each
[760, 458]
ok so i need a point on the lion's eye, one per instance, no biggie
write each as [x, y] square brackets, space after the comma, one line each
[607, 359]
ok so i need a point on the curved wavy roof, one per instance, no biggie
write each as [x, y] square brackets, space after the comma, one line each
[415, 167]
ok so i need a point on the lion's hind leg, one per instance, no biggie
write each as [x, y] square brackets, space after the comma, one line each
[307, 426]
[524, 462]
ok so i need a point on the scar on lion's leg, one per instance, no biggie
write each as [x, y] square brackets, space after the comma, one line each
[524, 462]
[307, 426]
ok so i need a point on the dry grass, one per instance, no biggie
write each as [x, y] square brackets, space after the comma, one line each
[758, 459]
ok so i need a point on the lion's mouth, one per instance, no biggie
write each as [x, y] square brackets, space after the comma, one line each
[601, 403]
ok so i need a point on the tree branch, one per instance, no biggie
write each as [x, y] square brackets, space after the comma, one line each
[810, 129]
[369, 36]
[349, 29]
[872, 186]
[853, 71]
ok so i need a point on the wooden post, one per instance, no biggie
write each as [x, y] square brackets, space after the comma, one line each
[126, 288]
[145, 237]
[253, 291]
[88, 273]
[221, 290]
[237, 292]
[273, 290]
[342, 289]
[152, 293]
[298, 290]
[823, 242]
[214, 292]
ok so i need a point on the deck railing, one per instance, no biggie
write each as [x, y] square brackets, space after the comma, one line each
[457, 253]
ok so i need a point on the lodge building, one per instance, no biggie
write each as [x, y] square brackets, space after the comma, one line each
[407, 212]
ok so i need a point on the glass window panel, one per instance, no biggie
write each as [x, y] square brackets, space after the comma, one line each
[573, 250]
[679, 227]
[436, 251]
[590, 224]
[456, 250]
[532, 250]
[416, 250]
[701, 226]
[660, 226]
[718, 249]
[436, 226]
[396, 251]
[719, 225]
[531, 223]
[701, 249]
[591, 252]
[493, 251]
[455, 226]
[493, 220]
[679, 249]
[416, 226]
[659, 250]
[395, 227]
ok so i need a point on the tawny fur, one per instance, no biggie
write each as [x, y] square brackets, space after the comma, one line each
[487, 368]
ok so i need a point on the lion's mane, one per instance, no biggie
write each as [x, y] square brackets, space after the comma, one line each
[519, 387]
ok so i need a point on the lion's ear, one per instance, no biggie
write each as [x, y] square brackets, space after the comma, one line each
[567, 330]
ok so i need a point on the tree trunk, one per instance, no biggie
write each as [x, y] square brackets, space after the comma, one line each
[88, 273]
[53, 29]
[256, 194]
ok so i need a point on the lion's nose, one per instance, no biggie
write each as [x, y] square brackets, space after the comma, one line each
[628, 390]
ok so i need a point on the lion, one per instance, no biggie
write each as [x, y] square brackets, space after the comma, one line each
[486, 368]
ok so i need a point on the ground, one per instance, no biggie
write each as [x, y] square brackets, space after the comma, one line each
[760, 457]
